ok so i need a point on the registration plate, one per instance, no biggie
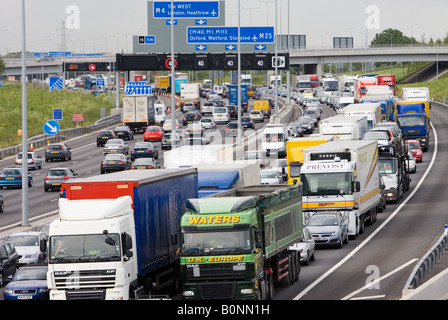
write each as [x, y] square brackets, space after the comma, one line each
[9, 178]
[56, 183]
[54, 151]
[111, 162]
[141, 168]
[25, 297]
[140, 151]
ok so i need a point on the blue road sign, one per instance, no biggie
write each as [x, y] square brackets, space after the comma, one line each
[197, 35]
[137, 88]
[201, 22]
[100, 85]
[168, 22]
[201, 47]
[150, 39]
[56, 83]
[51, 127]
[57, 114]
[230, 47]
[186, 9]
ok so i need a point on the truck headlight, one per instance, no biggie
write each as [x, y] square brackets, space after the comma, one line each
[188, 293]
[247, 291]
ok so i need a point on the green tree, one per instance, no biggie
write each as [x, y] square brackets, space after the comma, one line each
[392, 37]
[2, 66]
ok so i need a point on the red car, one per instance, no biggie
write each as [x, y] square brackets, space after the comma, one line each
[415, 147]
[153, 133]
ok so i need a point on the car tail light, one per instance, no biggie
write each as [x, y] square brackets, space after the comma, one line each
[47, 178]
[132, 168]
[120, 162]
[102, 163]
[19, 177]
[32, 161]
[65, 177]
[149, 167]
[148, 150]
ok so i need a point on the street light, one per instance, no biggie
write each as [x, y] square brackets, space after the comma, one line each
[24, 126]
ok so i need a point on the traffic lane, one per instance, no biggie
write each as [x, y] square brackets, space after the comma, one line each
[406, 238]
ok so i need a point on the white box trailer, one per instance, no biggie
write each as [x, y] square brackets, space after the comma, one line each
[342, 127]
[370, 110]
[194, 155]
[138, 112]
[342, 176]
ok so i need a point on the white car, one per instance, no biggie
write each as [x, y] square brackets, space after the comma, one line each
[208, 123]
[34, 161]
[256, 115]
[270, 176]
[307, 247]
[221, 115]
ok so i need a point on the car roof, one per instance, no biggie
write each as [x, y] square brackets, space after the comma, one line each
[26, 233]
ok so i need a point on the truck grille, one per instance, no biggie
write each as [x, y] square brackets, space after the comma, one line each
[216, 271]
[217, 290]
[85, 279]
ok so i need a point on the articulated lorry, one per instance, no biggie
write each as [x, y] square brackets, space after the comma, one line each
[344, 127]
[138, 112]
[221, 177]
[235, 244]
[342, 176]
[294, 150]
[117, 235]
[413, 119]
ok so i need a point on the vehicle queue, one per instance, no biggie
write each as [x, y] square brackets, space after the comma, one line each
[116, 142]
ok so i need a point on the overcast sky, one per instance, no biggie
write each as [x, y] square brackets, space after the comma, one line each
[109, 25]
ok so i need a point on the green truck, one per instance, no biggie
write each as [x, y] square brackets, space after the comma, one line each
[236, 243]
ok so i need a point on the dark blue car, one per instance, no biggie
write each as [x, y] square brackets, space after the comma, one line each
[144, 150]
[247, 122]
[29, 283]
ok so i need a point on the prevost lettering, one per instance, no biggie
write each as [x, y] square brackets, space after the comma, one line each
[214, 220]
[331, 156]
[323, 166]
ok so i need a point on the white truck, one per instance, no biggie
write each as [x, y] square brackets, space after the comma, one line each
[274, 140]
[376, 92]
[347, 83]
[303, 83]
[187, 156]
[190, 92]
[138, 112]
[415, 94]
[342, 176]
[341, 127]
[272, 82]
[371, 110]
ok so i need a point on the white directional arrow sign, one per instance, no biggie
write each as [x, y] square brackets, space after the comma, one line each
[51, 127]
[230, 47]
[201, 22]
[201, 48]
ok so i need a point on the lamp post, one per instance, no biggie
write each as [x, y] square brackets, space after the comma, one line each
[24, 126]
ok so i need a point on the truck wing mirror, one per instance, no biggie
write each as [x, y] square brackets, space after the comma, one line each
[43, 245]
[127, 245]
[357, 186]
[258, 243]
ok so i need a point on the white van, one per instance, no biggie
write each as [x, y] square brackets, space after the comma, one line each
[160, 113]
[221, 115]
[274, 140]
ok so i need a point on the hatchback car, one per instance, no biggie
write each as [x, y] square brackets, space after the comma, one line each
[208, 123]
[247, 123]
[167, 125]
[232, 129]
[307, 124]
[167, 142]
[124, 132]
[58, 151]
[144, 150]
[145, 163]
[194, 129]
[153, 133]
[233, 111]
[221, 115]
[191, 116]
[56, 177]
[10, 261]
[115, 162]
[188, 106]
[12, 177]
[328, 229]
[307, 247]
[27, 244]
[207, 107]
[270, 176]
[103, 136]
[415, 147]
[295, 129]
[411, 163]
[256, 115]
[28, 283]
[116, 146]
[34, 161]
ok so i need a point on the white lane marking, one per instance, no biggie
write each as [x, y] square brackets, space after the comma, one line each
[369, 285]
[362, 244]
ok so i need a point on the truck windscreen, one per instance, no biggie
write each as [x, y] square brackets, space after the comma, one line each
[316, 184]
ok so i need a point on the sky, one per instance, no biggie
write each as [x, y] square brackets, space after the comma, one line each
[108, 26]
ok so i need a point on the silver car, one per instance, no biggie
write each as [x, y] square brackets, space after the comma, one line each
[27, 244]
[116, 146]
[34, 160]
[208, 123]
[307, 247]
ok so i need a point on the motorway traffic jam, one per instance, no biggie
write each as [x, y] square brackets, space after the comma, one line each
[228, 205]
